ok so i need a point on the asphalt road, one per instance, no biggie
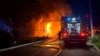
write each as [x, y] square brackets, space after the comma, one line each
[41, 50]
[79, 50]
[30, 50]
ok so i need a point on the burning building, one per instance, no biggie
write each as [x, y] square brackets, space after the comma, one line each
[46, 18]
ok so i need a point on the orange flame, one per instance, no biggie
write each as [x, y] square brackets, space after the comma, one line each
[49, 21]
[48, 28]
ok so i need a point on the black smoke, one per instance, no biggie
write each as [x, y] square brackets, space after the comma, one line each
[23, 12]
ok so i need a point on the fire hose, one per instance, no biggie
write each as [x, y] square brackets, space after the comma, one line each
[51, 46]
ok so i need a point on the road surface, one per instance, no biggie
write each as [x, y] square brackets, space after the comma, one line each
[41, 49]
[30, 50]
[79, 50]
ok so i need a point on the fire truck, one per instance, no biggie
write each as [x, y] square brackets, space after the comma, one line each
[72, 31]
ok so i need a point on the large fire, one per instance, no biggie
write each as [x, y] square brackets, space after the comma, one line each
[47, 27]
[46, 20]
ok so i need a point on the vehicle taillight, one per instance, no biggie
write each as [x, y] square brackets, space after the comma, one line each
[82, 34]
[65, 34]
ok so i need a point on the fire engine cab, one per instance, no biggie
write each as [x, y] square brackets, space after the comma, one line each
[71, 31]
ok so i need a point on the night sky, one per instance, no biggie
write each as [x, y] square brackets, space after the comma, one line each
[96, 11]
[79, 7]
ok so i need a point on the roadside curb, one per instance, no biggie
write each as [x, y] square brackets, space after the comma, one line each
[91, 44]
[96, 47]
[14, 47]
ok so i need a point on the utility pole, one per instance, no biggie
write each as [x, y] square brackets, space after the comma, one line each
[91, 20]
